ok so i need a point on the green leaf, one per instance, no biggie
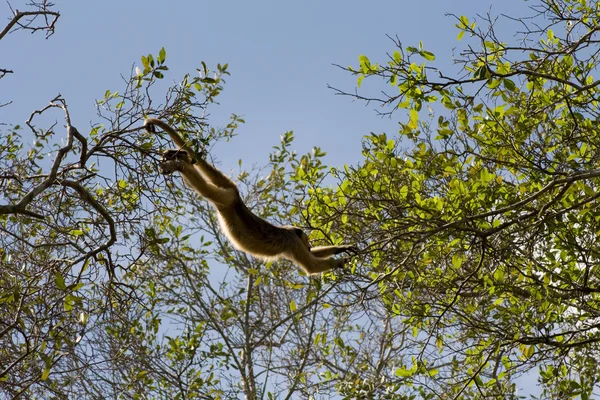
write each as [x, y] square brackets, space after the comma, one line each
[359, 80]
[485, 176]
[60, 281]
[403, 372]
[508, 84]
[403, 192]
[499, 275]
[45, 374]
[365, 64]
[68, 304]
[530, 351]
[414, 118]
[457, 261]
[427, 55]
[494, 83]
[482, 72]
[162, 55]
[292, 306]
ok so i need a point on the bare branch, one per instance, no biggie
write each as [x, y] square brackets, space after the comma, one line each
[49, 20]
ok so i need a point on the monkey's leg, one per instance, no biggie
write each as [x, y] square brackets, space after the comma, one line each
[314, 265]
[214, 175]
[328, 251]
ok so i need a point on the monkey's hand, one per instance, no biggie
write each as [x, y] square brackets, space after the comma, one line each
[150, 128]
[173, 160]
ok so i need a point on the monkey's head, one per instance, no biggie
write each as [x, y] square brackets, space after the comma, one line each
[303, 237]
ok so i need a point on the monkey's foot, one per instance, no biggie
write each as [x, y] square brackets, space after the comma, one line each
[340, 263]
[347, 249]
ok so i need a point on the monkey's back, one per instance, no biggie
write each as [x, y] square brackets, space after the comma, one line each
[249, 233]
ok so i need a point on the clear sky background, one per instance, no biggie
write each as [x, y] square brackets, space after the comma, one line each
[280, 55]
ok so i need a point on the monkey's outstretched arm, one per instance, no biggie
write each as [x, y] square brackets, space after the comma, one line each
[213, 174]
[175, 160]
[149, 125]
[328, 251]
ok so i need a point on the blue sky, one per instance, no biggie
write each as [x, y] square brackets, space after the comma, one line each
[280, 55]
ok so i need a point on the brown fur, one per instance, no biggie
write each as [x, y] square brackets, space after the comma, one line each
[246, 231]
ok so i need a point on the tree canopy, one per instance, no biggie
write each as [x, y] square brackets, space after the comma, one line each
[477, 222]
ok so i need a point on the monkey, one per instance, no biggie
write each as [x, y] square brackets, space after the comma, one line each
[246, 231]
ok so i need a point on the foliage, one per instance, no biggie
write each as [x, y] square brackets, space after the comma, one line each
[116, 283]
[477, 225]
[484, 229]
[80, 213]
